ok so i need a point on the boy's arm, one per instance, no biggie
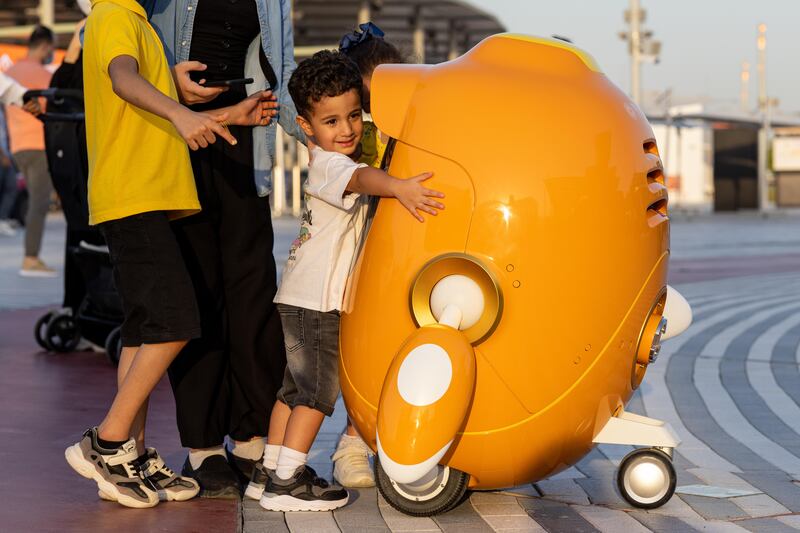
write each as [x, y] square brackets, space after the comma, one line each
[197, 129]
[410, 192]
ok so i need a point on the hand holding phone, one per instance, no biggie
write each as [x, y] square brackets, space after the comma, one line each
[228, 83]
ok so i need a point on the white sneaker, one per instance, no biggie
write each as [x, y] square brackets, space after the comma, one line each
[33, 267]
[351, 463]
[7, 229]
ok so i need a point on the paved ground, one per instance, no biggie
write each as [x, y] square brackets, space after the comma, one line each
[730, 386]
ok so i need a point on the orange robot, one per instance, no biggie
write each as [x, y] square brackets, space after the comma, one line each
[495, 344]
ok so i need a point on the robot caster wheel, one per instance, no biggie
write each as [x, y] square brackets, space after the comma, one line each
[114, 346]
[439, 491]
[62, 334]
[40, 329]
[646, 478]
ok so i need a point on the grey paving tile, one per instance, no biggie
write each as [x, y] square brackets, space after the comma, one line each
[399, 522]
[760, 505]
[662, 524]
[311, 523]
[564, 490]
[606, 519]
[714, 508]
[556, 516]
[506, 524]
[361, 513]
[257, 520]
[766, 525]
[462, 519]
[778, 485]
[602, 492]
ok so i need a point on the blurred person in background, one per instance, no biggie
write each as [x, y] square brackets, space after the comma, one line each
[11, 93]
[8, 181]
[27, 147]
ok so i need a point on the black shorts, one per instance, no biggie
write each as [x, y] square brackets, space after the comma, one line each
[151, 278]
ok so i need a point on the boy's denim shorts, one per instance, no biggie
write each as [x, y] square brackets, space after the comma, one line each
[312, 358]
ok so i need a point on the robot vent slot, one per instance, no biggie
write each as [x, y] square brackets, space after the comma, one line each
[650, 147]
[657, 213]
[656, 176]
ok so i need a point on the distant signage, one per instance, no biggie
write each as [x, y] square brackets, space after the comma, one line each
[786, 154]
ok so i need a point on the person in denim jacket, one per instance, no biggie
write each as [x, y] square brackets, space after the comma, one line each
[225, 383]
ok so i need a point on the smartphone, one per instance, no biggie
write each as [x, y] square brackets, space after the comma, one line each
[228, 83]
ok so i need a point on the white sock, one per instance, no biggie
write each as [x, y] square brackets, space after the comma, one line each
[289, 461]
[271, 452]
[197, 456]
[252, 449]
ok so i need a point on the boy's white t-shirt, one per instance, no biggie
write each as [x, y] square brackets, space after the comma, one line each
[320, 257]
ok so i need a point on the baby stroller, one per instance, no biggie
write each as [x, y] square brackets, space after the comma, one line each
[92, 309]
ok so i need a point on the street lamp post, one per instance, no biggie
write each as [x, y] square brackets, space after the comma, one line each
[641, 47]
[636, 52]
[764, 177]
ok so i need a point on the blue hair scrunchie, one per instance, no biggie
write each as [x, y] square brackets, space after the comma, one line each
[364, 33]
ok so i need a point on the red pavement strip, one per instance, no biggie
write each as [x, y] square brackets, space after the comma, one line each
[692, 270]
[46, 401]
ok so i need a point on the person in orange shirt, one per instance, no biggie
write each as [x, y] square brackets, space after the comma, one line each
[26, 134]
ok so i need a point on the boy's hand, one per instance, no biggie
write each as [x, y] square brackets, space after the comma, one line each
[201, 129]
[416, 197]
[190, 92]
[255, 110]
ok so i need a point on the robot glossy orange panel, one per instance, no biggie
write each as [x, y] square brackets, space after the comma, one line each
[553, 187]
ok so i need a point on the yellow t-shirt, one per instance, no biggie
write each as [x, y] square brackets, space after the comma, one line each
[137, 161]
[372, 148]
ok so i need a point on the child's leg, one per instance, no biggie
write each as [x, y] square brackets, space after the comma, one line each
[139, 423]
[148, 367]
[302, 428]
[350, 429]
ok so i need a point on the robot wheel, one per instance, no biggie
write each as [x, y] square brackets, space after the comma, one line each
[442, 489]
[646, 477]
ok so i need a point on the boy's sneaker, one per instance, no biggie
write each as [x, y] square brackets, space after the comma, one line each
[116, 472]
[170, 486]
[351, 463]
[304, 491]
[258, 481]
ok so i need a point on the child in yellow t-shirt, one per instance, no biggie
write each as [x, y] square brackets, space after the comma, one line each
[140, 178]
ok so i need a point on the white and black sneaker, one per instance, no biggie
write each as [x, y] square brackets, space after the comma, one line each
[258, 481]
[116, 472]
[170, 486]
[304, 491]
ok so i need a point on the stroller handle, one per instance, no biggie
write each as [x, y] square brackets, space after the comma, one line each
[56, 95]
[53, 94]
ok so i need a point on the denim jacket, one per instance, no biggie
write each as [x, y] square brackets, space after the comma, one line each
[174, 22]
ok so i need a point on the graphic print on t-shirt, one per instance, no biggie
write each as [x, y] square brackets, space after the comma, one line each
[305, 233]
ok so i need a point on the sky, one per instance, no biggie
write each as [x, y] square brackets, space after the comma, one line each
[704, 42]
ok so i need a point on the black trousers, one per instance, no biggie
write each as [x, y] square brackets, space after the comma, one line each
[225, 382]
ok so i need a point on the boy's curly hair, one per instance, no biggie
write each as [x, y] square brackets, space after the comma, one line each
[326, 73]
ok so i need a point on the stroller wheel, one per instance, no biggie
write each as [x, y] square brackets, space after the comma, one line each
[62, 334]
[40, 330]
[114, 346]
